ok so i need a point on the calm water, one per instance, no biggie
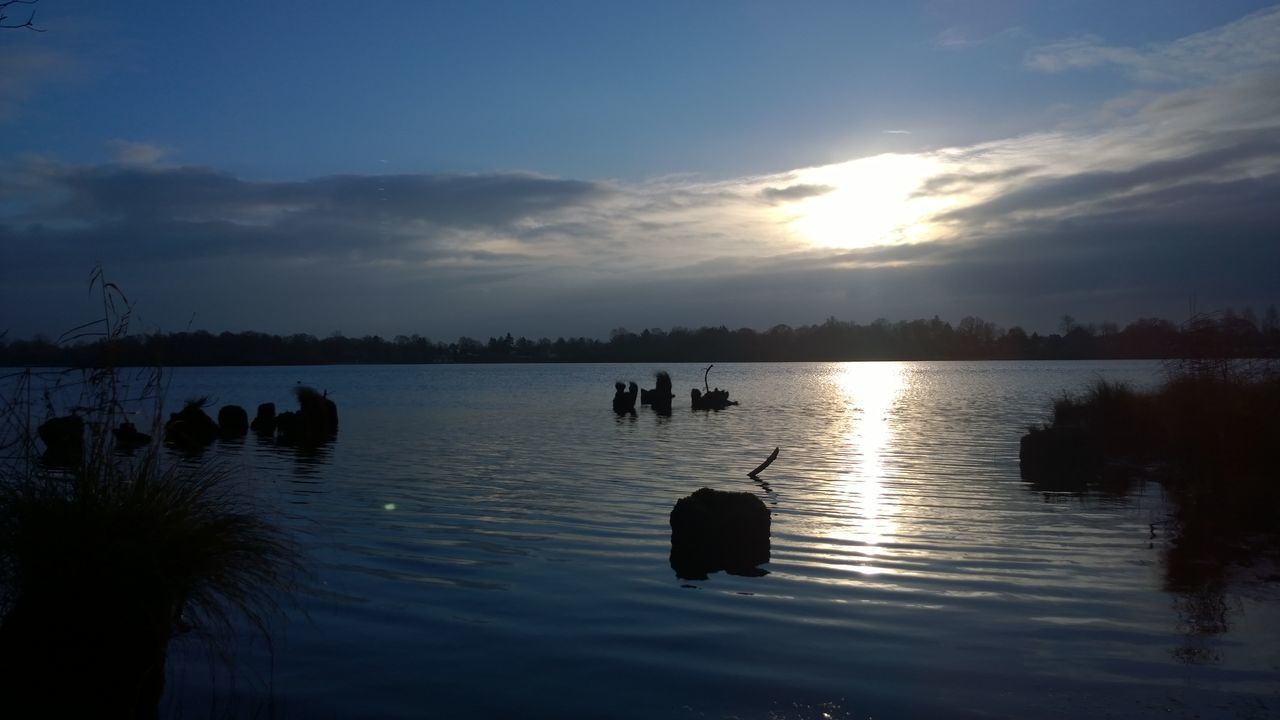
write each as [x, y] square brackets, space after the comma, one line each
[491, 541]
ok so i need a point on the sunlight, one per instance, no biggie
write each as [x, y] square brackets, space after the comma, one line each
[871, 390]
[872, 202]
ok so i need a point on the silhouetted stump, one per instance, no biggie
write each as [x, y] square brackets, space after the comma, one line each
[624, 398]
[128, 438]
[190, 428]
[288, 425]
[265, 421]
[316, 420]
[1059, 455]
[659, 398]
[233, 421]
[716, 399]
[713, 530]
[63, 439]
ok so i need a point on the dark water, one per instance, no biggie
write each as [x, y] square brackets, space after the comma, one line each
[492, 541]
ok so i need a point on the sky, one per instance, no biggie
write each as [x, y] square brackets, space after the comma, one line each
[568, 168]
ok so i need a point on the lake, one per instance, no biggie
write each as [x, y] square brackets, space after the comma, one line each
[493, 541]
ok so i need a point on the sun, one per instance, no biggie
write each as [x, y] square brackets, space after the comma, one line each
[870, 201]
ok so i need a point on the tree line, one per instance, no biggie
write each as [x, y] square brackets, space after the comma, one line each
[1223, 334]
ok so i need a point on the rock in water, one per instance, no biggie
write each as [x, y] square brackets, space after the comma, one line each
[714, 530]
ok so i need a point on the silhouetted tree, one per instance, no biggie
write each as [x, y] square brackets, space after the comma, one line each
[1223, 335]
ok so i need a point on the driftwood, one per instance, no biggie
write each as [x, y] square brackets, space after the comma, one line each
[768, 461]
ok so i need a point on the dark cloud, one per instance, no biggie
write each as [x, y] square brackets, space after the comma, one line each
[794, 192]
[157, 215]
[1209, 239]
[1089, 187]
[467, 201]
[195, 192]
[952, 183]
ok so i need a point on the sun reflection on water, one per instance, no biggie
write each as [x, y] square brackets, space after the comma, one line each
[870, 392]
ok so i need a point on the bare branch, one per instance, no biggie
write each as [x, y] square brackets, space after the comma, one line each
[31, 19]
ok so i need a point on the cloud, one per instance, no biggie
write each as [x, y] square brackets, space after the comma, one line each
[1246, 45]
[1034, 197]
[1161, 192]
[27, 68]
[967, 181]
[128, 152]
[791, 193]
[960, 37]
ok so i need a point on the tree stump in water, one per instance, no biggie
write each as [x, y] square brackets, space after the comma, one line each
[713, 530]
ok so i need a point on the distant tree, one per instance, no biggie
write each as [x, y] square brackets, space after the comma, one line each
[1250, 317]
[1015, 343]
[1270, 319]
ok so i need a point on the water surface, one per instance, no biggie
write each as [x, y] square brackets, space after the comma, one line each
[492, 541]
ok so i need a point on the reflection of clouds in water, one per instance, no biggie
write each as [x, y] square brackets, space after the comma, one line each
[870, 392]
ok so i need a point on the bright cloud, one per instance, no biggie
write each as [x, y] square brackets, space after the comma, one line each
[128, 152]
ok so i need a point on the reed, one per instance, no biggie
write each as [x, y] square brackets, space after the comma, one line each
[106, 555]
[1211, 431]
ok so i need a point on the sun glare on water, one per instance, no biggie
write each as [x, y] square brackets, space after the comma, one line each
[871, 201]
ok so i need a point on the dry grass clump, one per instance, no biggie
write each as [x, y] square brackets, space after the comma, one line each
[1115, 416]
[174, 541]
[107, 553]
[1213, 429]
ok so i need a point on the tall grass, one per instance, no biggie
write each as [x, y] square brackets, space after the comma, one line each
[1213, 428]
[104, 557]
